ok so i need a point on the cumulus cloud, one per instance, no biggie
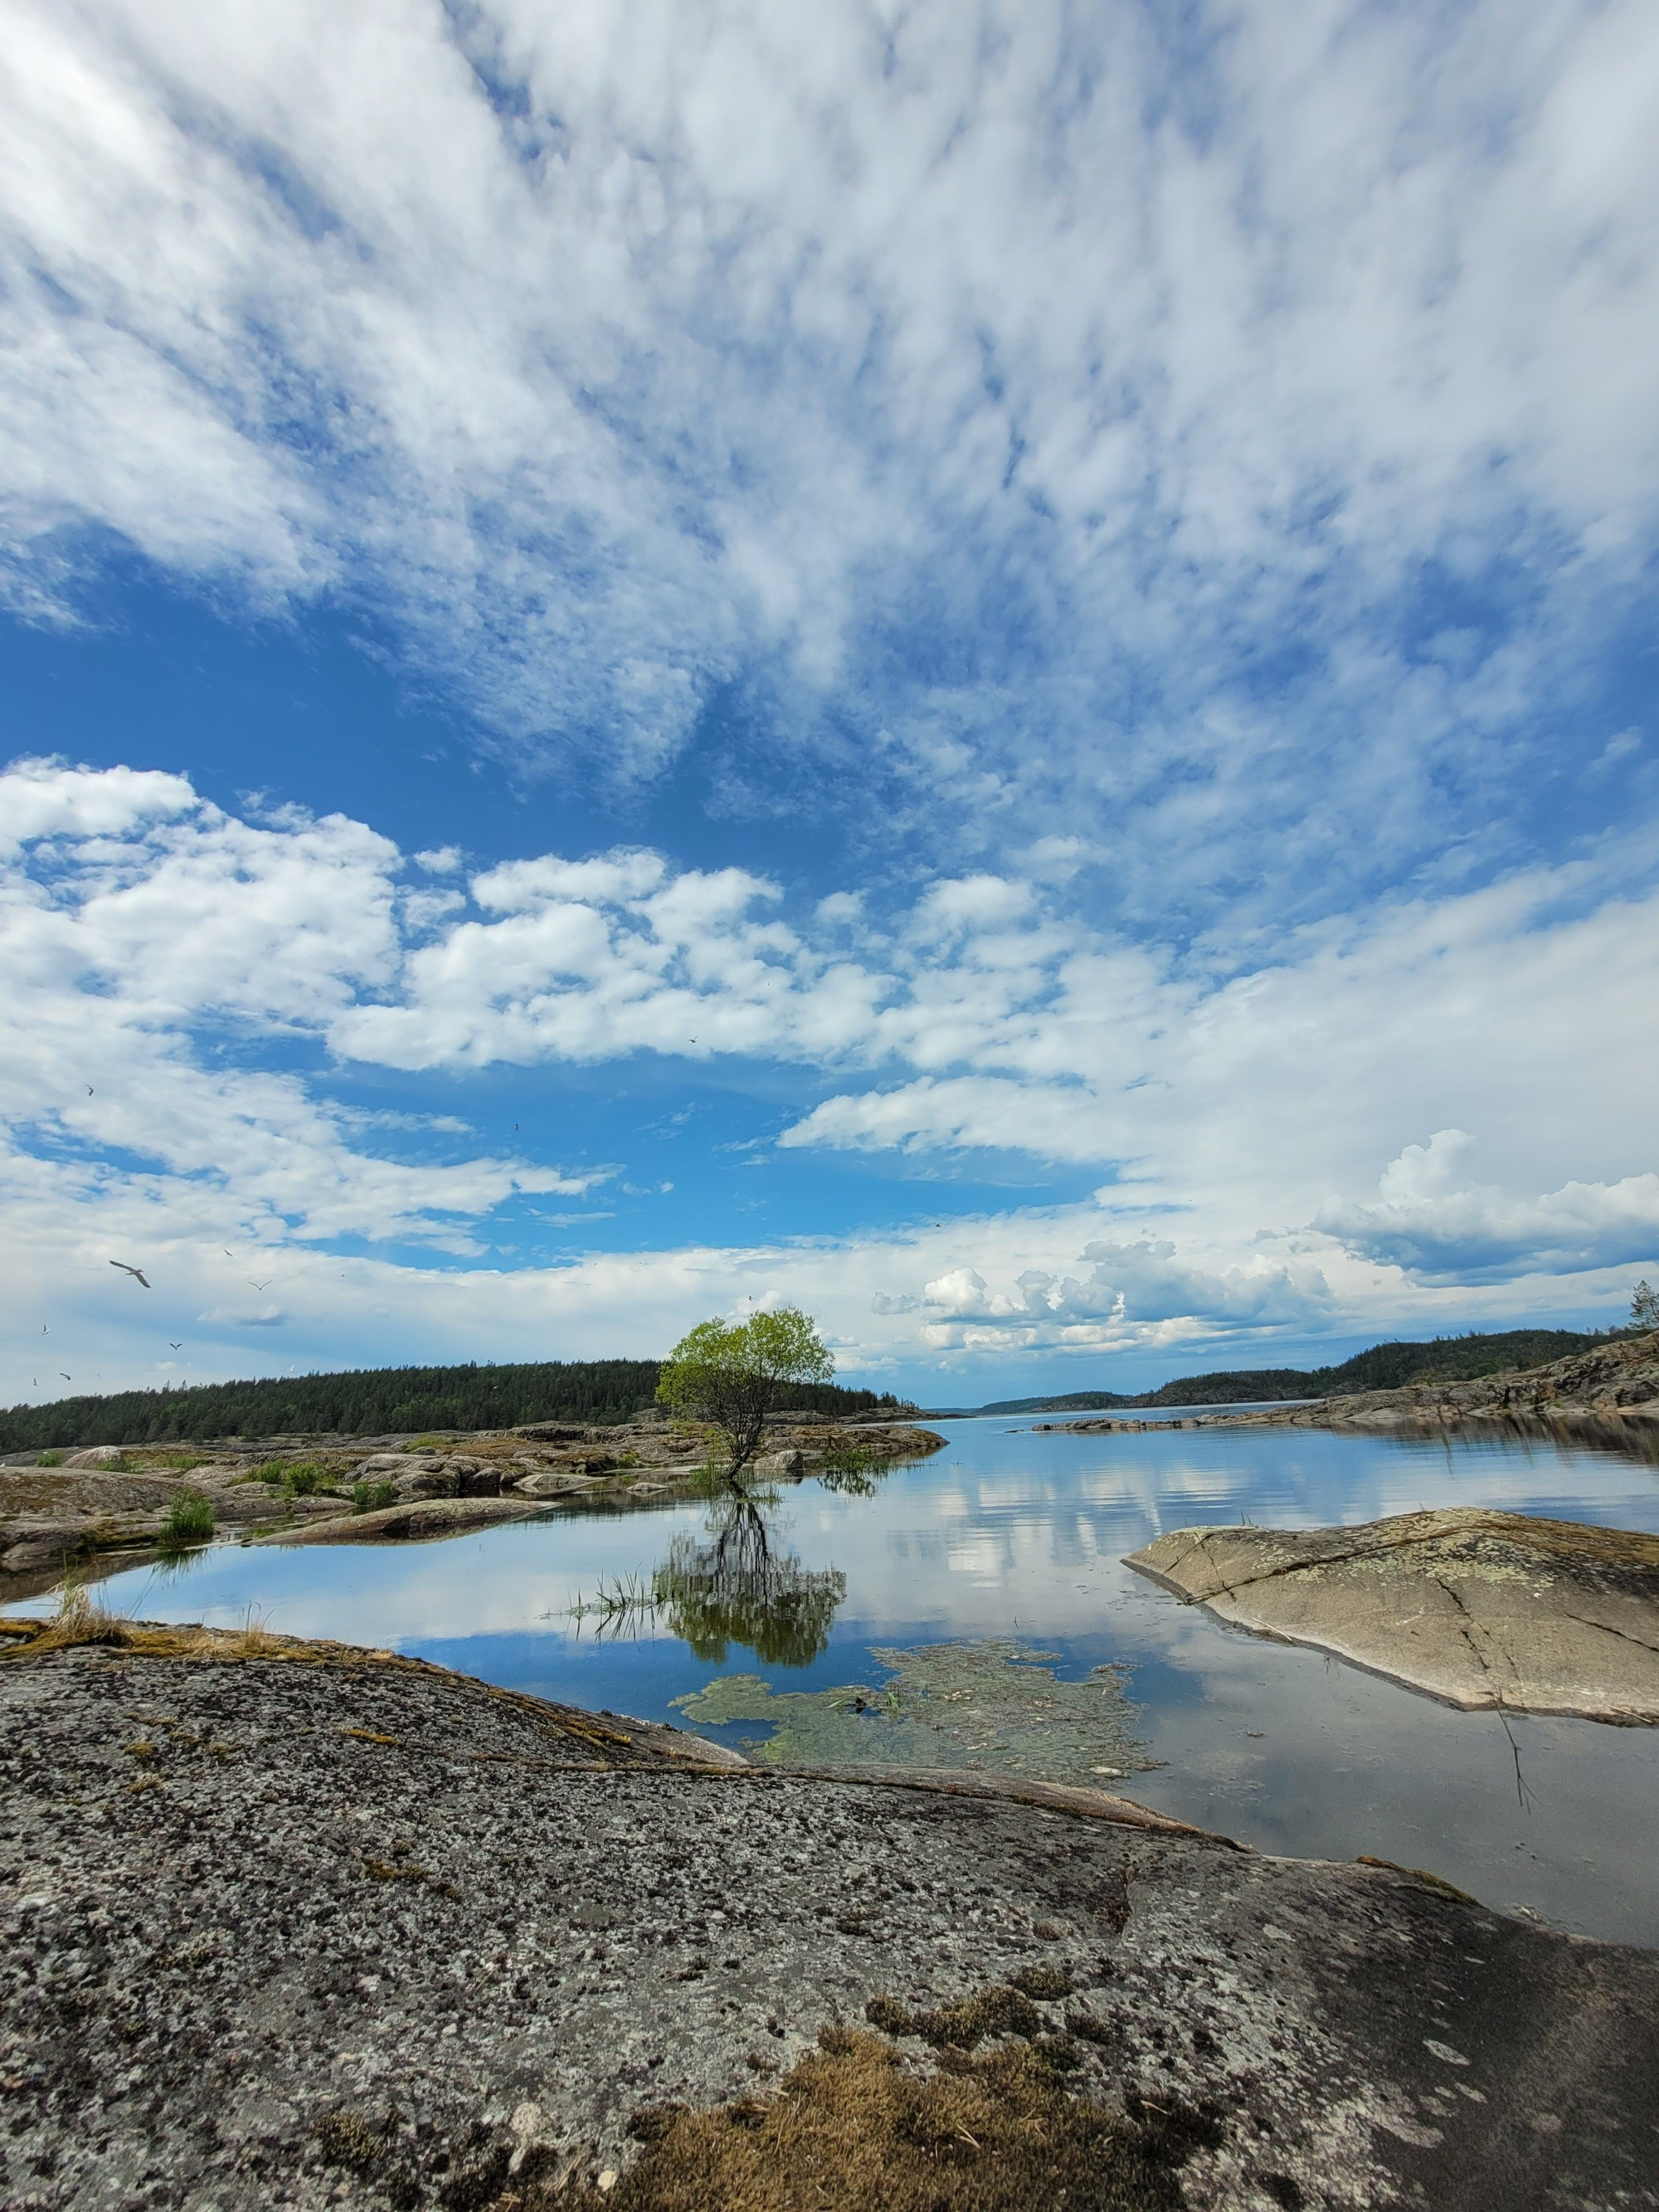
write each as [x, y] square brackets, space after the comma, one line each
[175, 984]
[1004, 377]
[1127, 1287]
[124, 955]
[1438, 1230]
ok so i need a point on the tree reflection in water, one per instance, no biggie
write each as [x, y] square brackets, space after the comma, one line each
[739, 1587]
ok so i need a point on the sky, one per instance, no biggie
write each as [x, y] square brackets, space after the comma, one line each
[986, 668]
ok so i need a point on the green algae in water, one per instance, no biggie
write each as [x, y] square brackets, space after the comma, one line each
[991, 1706]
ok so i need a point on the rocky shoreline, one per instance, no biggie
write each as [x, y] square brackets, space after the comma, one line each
[295, 1926]
[110, 1506]
[1607, 1396]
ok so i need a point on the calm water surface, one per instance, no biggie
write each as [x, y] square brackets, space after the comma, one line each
[1009, 1535]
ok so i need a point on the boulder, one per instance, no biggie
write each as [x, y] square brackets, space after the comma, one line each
[454, 1477]
[778, 1466]
[552, 1482]
[477, 1478]
[1482, 1609]
[28, 1549]
[93, 1456]
[432, 1479]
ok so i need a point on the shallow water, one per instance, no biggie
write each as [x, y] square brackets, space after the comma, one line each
[1005, 1534]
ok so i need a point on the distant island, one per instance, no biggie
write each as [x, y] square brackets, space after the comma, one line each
[1384, 1367]
[386, 1400]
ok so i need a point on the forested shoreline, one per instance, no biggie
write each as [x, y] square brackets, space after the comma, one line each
[380, 1402]
[1383, 1367]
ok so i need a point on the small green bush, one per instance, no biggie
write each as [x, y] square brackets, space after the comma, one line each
[190, 1521]
[370, 1497]
[853, 1469]
[50, 1459]
[300, 1477]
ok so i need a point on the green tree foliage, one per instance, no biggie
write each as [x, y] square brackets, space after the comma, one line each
[1644, 1306]
[730, 1374]
[382, 1402]
[739, 1588]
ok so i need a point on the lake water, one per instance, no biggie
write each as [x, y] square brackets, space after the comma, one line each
[1009, 1535]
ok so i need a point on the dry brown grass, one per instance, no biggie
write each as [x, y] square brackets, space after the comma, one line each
[853, 2128]
[81, 1619]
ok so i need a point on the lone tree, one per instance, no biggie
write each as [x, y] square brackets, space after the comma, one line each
[729, 1373]
[1644, 1306]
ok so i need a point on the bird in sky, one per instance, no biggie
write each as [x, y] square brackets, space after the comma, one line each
[89, 1092]
[137, 1273]
[261, 1286]
[45, 1331]
[226, 1249]
[68, 1378]
[176, 1347]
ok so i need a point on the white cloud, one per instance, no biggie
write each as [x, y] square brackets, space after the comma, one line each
[145, 922]
[155, 948]
[1127, 1287]
[616, 359]
[1437, 1230]
[44, 799]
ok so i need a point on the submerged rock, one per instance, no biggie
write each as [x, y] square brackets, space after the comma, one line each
[990, 1706]
[1480, 1608]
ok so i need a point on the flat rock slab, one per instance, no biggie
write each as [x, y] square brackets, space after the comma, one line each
[419, 1518]
[1482, 1609]
[349, 1931]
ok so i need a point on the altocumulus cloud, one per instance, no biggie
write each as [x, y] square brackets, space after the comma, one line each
[975, 390]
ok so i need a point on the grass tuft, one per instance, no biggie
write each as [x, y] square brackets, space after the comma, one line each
[852, 2127]
[190, 1521]
[372, 1497]
[80, 1621]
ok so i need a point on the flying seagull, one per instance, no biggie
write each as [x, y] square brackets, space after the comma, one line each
[269, 1280]
[68, 1378]
[176, 1347]
[137, 1273]
[89, 1092]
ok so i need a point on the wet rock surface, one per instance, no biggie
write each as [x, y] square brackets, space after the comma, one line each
[332, 1930]
[1480, 1608]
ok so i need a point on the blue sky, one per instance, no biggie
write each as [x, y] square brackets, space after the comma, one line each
[990, 669]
